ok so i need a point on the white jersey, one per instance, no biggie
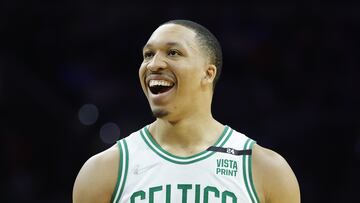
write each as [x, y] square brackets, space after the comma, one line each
[221, 174]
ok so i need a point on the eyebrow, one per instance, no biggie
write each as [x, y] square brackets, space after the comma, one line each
[168, 44]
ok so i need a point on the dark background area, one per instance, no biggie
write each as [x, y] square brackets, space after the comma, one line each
[290, 81]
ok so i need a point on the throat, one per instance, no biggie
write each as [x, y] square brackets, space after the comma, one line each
[184, 151]
[173, 140]
[188, 138]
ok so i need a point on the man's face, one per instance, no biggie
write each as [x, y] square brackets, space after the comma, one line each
[172, 71]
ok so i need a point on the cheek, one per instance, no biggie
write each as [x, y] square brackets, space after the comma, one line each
[192, 77]
[189, 85]
[142, 70]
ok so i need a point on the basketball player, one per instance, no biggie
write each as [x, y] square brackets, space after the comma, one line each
[185, 155]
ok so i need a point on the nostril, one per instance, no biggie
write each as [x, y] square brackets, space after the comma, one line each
[156, 64]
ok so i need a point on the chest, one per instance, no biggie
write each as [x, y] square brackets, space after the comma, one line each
[215, 178]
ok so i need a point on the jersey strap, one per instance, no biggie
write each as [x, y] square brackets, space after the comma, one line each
[230, 150]
[122, 171]
[247, 172]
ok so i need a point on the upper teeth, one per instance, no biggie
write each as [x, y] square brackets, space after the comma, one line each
[159, 82]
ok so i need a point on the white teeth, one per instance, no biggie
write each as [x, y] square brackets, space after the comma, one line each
[159, 83]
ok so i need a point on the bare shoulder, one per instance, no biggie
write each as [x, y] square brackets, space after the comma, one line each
[274, 179]
[97, 177]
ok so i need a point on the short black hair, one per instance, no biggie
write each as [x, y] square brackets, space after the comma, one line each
[207, 40]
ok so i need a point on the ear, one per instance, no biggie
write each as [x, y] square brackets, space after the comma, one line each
[210, 74]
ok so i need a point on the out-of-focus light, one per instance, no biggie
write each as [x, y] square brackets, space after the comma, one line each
[88, 114]
[109, 133]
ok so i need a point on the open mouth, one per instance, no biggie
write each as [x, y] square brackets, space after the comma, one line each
[160, 86]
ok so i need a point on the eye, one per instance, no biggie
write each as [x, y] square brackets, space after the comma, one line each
[148, 54]
[173, 52]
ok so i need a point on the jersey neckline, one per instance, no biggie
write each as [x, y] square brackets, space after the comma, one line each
[154, 146]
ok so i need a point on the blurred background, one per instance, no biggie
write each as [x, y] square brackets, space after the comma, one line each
[69, 87]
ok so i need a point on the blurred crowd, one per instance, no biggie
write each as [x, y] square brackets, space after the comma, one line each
[69, 87]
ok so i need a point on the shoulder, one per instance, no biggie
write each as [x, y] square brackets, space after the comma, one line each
[274, 179]
[97, 177]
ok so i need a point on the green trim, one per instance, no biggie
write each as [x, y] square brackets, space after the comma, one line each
[154, 146]
[119, 172]
[120, 183]
[249, 183]
[244, 171]
[126, 167]
[250, 173]
[179, 157]
[226, 139]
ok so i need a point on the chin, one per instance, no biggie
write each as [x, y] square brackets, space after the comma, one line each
[159, 113]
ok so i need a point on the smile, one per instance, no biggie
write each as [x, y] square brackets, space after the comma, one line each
[160, 86]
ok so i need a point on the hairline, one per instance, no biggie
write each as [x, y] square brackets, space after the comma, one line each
[198, 38]
[213, 55]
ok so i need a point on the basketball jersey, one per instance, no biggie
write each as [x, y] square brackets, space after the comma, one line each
[221, 174]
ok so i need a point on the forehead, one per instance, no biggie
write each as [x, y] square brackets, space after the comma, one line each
[172, 34]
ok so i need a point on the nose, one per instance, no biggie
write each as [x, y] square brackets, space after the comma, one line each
[157, 63]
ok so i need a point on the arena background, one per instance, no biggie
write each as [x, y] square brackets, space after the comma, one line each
[69, 87]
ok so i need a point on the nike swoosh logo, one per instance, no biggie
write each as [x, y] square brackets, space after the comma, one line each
[138, 170]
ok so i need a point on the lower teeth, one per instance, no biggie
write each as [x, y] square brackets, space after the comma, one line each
[157, 89]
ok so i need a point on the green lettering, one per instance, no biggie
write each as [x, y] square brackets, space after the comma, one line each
[218, 170]
[184, 188]
[235, 165]
[168, 193]
[152, 190]
[197, 193]
[226, 194]
[135, 194]
[226, 163]
[231, 163]
[218, 162]
[210, 189]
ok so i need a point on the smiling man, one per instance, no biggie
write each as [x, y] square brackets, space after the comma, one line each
[185, 155]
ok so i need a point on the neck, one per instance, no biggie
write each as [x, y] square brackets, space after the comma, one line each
[196, 130]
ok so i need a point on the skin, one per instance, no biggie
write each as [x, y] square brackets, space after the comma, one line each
[173, 54]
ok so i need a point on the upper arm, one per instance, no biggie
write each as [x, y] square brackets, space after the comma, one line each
[97, 178]
[274, 177]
